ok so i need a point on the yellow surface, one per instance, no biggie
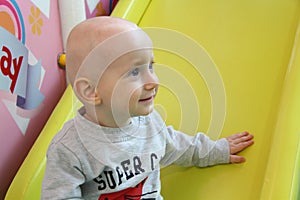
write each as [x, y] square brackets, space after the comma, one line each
[27, 183]
[254, 48]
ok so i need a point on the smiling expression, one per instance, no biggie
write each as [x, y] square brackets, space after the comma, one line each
[129, 85]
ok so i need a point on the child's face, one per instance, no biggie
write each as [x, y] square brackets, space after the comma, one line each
[129, 85]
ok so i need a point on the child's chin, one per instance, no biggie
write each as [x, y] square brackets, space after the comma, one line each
[143, 113]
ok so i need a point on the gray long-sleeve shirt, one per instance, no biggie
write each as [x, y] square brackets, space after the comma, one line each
[87, 161]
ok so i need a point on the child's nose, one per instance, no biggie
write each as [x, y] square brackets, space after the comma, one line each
[151, 81]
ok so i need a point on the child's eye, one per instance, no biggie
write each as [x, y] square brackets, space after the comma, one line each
[134, 72]
[151, 66]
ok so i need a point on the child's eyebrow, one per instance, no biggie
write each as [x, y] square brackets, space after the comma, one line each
[140, 62]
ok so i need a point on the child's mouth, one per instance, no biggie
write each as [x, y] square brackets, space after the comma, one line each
[147, 99]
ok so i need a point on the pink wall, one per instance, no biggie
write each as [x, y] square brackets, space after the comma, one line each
[30, 40]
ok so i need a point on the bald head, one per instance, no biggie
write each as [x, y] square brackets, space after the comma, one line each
[87, 35]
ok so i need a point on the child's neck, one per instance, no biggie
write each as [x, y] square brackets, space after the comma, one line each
[107, 121]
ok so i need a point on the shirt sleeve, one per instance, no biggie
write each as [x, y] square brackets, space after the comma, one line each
[63, 175]
[198, 150]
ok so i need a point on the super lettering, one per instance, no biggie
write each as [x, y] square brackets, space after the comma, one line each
[127, 169]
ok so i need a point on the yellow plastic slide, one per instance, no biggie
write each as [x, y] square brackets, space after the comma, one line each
[224, 67]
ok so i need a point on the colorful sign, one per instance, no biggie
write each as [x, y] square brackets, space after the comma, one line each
[16, 75]
[31, 83]
[11, 19]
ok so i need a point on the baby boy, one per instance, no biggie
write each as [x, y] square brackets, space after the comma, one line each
[114, 147]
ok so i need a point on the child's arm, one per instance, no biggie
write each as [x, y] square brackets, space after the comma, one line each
[198, 150]
[238, 142]
[201, 151]
[63, 176]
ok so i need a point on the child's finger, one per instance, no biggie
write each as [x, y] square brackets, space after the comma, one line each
[235, 148]
[242, 145]
[237, 159]
[243, 139]
[238, 135]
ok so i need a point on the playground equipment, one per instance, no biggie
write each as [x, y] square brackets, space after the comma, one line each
[254, 48]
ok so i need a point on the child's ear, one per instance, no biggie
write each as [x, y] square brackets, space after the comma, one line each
[86, 91]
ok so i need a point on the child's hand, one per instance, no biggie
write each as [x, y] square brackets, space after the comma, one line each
[238, 142]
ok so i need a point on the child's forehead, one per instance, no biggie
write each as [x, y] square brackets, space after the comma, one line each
[120, 44]
[99, 40]
[127, 43]
[136, 57]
